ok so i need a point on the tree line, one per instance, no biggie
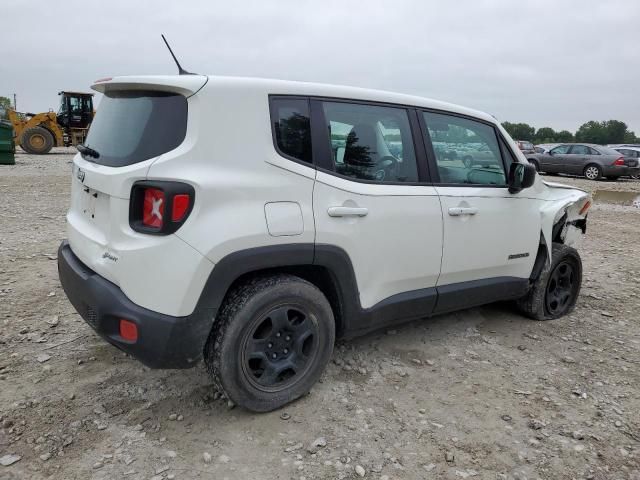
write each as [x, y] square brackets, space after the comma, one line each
[609, 131]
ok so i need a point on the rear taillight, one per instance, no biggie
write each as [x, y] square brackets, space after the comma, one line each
[153, 208]
[158, 207]
[619, 161]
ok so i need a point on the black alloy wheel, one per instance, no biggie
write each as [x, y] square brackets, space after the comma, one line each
[280, 347]
[561, 288]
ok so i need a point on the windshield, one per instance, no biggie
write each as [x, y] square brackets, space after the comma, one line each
[132, 126]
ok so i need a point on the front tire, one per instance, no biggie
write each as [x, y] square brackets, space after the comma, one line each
[271, 341]
[37, 141]
[555, 291]
[592, 172]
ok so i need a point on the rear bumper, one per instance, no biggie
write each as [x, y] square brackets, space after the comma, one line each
[163, 341]
[619, 171]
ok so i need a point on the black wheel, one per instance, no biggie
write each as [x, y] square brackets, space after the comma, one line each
[592, 171]
[270, 342]
[36, 141]
[468, 161]
[535, 164]
[555, 292]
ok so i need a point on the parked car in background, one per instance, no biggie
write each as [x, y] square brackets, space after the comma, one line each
[544, 147]
[631, 158]
[624, 145]
[525, 146]
[585, 159]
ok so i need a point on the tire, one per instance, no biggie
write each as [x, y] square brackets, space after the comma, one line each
[468, 161]
[535, 164]
[277, 315]
[592, 171]
[555, 291]
[37, 141]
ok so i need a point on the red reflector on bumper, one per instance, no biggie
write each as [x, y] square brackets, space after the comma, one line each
[128, 330]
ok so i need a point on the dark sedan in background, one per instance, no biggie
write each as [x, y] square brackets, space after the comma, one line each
[631, 155]
[585, 159]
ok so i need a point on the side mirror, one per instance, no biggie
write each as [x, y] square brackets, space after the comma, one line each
[521, 176]
[550, 152]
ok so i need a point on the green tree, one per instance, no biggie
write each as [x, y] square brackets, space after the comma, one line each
[520, 131]
[615, 130]
[630, 137]
[564, 136]
[592, 132]
[5, 103]
[545, 135]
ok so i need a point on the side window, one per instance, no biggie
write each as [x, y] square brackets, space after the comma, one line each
[467, 151]
[291, 127]
[561, 150]
[593, 151]
[580, 150]
[369, 142]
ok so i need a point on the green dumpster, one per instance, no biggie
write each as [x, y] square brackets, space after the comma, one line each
[7, 147]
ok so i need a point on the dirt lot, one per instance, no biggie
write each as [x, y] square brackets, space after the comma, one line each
[483, 393]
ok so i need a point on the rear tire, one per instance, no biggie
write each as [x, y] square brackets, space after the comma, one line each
[271, 341]
[592, 171]
[37, 141]
[555, 291]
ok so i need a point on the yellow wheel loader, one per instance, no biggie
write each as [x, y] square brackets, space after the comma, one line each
[38, 133]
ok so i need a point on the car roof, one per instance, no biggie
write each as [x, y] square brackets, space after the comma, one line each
[287, 87]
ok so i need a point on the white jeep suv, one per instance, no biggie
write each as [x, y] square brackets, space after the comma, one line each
[252, 221]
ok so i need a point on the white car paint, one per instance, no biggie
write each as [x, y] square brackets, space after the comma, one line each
[402, 238]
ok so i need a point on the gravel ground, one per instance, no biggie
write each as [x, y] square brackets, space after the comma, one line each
[483, 393]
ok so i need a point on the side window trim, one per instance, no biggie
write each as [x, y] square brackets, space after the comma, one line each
[431, 155]
[320, 139]
[322, 154]
[273, 119]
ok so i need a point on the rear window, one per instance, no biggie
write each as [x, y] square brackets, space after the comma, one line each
[132, 126]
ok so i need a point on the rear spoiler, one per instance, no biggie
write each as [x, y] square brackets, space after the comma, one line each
[186, 85]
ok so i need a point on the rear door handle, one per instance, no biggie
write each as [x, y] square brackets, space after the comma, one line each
[347, 211]
[457, 211]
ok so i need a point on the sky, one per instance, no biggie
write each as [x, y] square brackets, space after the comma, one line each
[555, 63]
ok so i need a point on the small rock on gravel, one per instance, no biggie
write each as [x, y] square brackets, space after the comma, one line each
[535, 424]
[317, 444]
[43, 357]
[206, 456]
[360, 471]
[9, 459]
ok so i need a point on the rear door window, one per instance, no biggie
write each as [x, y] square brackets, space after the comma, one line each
[371, 142]
[292, 128]
[133, 126]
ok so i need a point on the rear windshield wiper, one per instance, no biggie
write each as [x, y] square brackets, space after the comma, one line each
[84, 150]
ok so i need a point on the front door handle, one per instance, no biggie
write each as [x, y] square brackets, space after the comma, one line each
[457, 211]
[347, 211]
